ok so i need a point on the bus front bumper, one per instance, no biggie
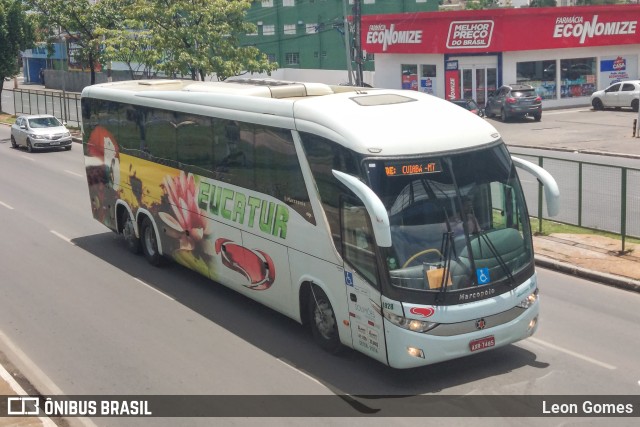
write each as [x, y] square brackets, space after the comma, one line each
[407, 349]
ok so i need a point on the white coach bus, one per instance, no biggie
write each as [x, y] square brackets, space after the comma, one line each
[389, 221]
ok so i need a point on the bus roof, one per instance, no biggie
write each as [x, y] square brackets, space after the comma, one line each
[383, 122]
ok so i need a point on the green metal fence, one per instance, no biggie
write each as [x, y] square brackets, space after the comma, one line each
[64, 105]
[592, 195]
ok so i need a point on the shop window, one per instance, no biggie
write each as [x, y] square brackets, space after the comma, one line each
[539, 74]
[577, 77]
[409, 76]
[428, 79]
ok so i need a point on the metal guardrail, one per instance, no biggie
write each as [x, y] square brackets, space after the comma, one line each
[593, 196]
[64, 105]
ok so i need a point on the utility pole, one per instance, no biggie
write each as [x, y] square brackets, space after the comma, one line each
[347, 44]
[357, 41]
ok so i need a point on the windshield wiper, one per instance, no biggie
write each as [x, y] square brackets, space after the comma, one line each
[447, 249]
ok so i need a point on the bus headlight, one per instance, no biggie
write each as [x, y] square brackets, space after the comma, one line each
[410, 324]
[529, 300]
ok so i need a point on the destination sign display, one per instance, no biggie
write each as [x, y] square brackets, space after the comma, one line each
[412, 168]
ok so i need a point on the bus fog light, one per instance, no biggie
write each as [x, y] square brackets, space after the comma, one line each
[415, 352]
[533, 323]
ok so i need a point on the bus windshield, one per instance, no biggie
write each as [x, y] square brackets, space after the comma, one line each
[457, 221]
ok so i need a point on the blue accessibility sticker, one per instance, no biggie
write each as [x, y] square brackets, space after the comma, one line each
[348, 278]
[483, 276]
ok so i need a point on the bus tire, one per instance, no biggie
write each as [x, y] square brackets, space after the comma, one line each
[150, 243]
[129, 233]
[322, 319]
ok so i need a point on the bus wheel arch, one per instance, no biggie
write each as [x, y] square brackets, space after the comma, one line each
[150, 239]
[127, 227]
[322, 320]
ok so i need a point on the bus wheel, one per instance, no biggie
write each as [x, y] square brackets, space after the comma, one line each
[129, 233]
[150, 243]
[323, 321]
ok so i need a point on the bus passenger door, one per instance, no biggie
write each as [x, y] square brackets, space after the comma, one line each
[362, 280]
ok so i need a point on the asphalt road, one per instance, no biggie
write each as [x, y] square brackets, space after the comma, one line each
[80, 315]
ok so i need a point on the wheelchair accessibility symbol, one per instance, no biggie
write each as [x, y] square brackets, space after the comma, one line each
[348, 278]
[483, 276]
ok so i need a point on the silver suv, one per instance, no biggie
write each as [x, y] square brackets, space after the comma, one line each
[515, 100]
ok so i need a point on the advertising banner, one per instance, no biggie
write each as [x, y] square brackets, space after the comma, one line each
[615, 69]
[502, 30]
[452, 79]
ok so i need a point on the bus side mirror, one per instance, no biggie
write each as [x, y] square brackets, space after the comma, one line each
[374, 206]
[551, 190]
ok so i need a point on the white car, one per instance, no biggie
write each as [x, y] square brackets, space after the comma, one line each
[621, 94]
[39, 131]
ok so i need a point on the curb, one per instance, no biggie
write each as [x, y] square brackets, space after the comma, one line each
[596, 276]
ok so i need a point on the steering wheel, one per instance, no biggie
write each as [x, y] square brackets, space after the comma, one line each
[417, 254]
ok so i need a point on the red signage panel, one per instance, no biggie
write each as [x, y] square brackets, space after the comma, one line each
[502, 30]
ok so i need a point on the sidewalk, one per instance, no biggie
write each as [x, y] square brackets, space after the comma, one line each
[591, 257]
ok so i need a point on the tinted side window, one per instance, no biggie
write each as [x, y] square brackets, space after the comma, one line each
[160, 130]
[234, 152]
[628, 87]
[277, 170]
[613, 88]
[323, 156]
[195, 144]
[132, 136]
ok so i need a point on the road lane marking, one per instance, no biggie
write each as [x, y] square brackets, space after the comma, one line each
[572, 353]
[62, 236]
[74, 173]
[153, 289]
[6, 205]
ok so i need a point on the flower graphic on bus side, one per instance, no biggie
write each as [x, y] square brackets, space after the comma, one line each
[187, 223]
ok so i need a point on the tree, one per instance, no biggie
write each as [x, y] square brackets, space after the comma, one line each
[201, 37]
[132, 45]
[79, 21]
[481, 4]
[16, 34]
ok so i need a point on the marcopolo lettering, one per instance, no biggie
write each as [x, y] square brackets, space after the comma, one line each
[379, 34]
[476, 295]
[576, 26]
[268, 217]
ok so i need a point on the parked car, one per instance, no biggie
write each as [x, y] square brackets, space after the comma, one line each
[514, 100]
[38, 132]
[621, 94]
[470, 105]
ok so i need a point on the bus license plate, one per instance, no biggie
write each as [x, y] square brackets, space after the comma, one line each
[482, 343]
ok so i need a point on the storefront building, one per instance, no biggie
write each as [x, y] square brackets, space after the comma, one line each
[566, 53]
